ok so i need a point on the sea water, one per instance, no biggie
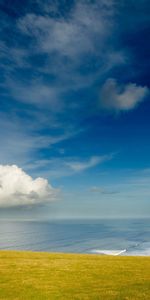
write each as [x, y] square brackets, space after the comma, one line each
[110, 237]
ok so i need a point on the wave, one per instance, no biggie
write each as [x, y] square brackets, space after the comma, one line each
[108, 252]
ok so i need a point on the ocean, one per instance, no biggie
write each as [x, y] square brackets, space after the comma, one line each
[115, 237]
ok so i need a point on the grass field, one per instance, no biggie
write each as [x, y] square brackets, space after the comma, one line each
[29, 275]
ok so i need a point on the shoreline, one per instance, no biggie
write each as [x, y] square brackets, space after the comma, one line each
[72, 253]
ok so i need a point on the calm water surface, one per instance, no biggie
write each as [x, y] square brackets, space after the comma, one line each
[124, 237]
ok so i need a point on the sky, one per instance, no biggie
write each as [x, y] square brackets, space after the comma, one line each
[74, 109]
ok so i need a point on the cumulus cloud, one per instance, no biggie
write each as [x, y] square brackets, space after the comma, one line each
[121, 97]
[19, 189]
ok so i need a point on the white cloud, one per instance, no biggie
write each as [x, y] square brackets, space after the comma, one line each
[72, 36]
[121, 97]
[78, 166]
[17, 188]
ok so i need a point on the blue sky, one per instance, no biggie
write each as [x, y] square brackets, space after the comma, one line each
[74, 109]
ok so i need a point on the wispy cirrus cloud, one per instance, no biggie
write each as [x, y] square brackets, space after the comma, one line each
[74, 36]
[66, 166]
[79, 166]
[20, 143]
[61, 45]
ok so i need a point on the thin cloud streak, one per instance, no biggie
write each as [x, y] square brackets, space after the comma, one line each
[78, 166]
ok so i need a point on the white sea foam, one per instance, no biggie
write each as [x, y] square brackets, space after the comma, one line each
[108, 252]
[142, 252]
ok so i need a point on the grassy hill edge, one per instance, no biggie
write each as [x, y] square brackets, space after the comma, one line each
[37, 275]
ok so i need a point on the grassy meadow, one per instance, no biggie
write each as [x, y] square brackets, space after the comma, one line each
[42, 276]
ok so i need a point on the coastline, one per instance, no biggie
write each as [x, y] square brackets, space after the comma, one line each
[96, 253]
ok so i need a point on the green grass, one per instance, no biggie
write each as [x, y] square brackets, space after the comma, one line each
[41, 276]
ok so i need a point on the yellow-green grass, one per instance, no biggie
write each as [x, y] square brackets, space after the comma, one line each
[34, 275]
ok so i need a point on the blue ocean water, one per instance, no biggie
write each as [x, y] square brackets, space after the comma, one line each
[116, 237]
